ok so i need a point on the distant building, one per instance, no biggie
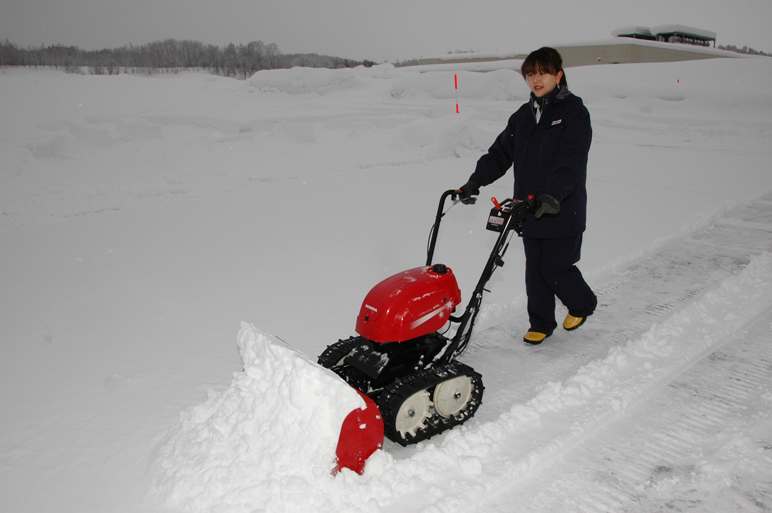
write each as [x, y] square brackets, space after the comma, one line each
[636, 32]
[671, 33]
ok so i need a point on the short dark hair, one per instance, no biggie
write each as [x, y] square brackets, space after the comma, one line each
[544, 60]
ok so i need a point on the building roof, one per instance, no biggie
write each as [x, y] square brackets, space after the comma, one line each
[633, 30]
[683, 30]
[668, 29]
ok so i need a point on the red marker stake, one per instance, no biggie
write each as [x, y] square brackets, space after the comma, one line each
[455, 77]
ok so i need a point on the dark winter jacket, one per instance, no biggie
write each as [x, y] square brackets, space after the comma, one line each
[550, 157]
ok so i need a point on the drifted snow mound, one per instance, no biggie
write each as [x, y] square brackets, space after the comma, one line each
[504, 85]
[305, 80]
[274, 430]
[320, 80]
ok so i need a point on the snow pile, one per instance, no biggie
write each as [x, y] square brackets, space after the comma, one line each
[272, 432]
[306, 80]
[501, 84]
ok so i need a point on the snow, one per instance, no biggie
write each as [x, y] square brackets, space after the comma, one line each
[229, 449]
[159, 234]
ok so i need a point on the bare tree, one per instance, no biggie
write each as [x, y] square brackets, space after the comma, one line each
[169, 55]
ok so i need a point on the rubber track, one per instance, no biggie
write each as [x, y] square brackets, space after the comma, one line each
[395, 394]
[335, 352]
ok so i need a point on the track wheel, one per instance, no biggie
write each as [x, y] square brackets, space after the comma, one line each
[452, 396]
[412, 413]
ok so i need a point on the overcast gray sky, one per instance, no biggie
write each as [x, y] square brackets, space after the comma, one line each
[378, 30]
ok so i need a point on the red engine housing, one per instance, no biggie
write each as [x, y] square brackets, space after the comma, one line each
[409, 304]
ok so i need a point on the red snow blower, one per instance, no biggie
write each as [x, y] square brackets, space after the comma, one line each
[401, 364]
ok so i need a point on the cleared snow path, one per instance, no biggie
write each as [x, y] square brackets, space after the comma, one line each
[572, 395]
[704, 442]
[630, 301]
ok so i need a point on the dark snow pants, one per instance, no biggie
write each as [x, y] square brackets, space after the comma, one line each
[550, 271]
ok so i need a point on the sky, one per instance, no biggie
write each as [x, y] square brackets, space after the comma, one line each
[369, 29]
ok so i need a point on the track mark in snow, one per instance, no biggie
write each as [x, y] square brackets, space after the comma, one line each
[708, 425]
[747, 224]
[629, 275]
[629, 302]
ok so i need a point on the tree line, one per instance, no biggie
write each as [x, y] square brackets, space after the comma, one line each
[745, 49]
[240, 61]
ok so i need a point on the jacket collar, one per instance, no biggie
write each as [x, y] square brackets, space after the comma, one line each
[556, 94]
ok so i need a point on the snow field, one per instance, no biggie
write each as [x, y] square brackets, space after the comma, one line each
[141, 217]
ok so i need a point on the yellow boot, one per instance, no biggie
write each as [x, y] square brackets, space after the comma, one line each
[534, 337]
[571, 322]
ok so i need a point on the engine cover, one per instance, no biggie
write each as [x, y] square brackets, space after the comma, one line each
[409, 304]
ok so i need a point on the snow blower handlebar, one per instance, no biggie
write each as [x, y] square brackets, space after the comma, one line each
[511, 215]
[505, 217]
[454, 194]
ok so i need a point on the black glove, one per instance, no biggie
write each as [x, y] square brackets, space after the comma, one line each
[547, 205]
[468, 190]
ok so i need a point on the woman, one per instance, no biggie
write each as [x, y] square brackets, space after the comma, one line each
[547, 141]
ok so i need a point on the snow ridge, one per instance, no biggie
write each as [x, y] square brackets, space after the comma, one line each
[698, 444]
[272, 432]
